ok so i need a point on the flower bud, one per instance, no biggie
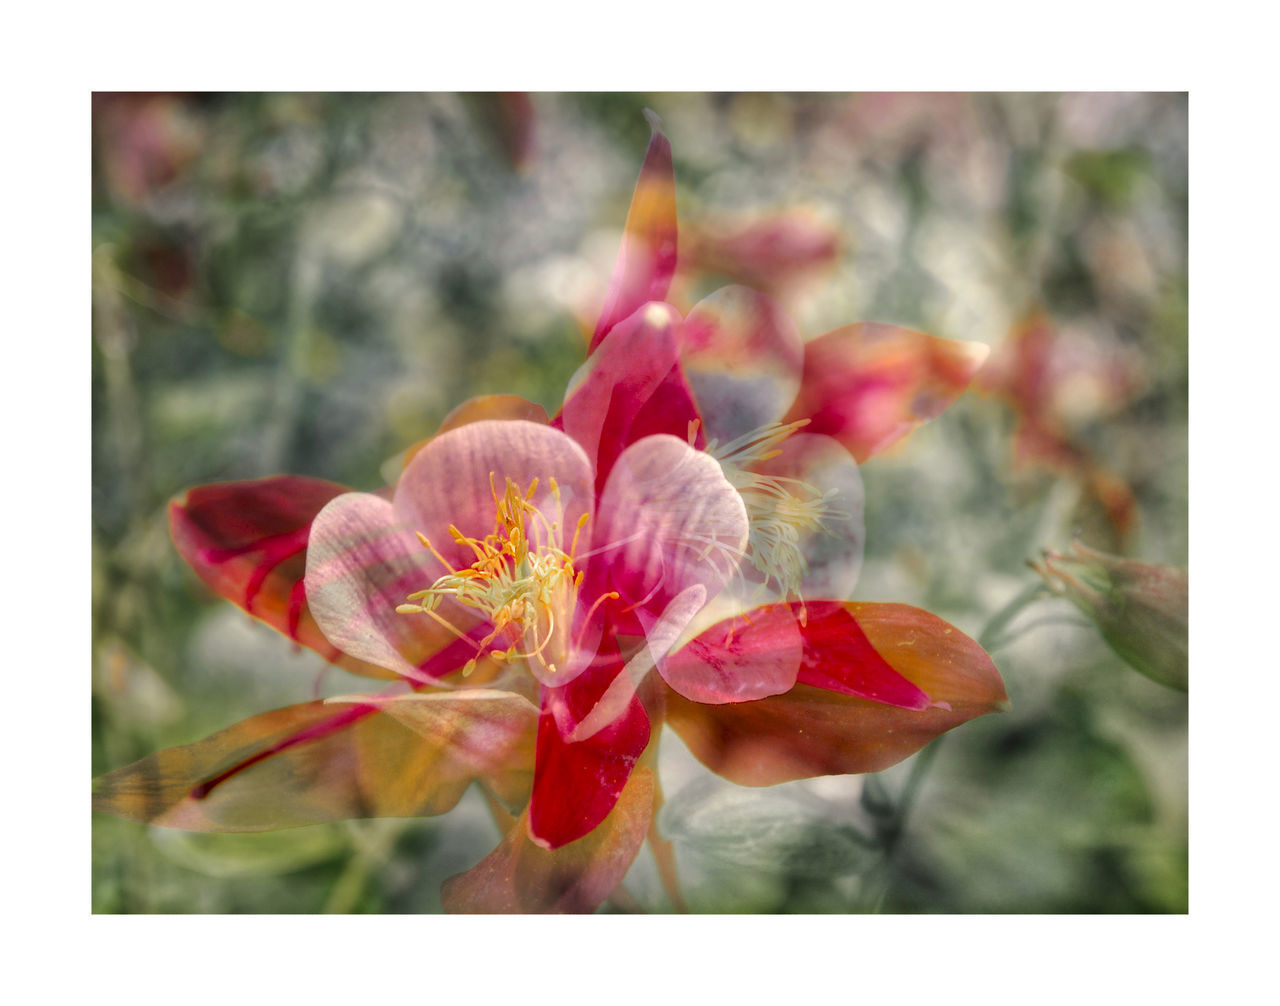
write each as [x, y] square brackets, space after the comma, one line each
[1140, 607]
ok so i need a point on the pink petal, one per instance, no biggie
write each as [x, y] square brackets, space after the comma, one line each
[451, 482]
[631, 387]
[361, 564]
[743, 358]
[474, 410]
[867, 385]
[576, 783]
[668, 519]
[671, 533]
[647, 258]
[740, 659]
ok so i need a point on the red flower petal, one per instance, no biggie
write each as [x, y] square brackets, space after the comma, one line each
[576, 783]
[647, 258]
[630, 388]
[318, 762]
[813, 731]
[512, 119]
[839, 657]
[869, 384]
[520, 876]
[247, 541]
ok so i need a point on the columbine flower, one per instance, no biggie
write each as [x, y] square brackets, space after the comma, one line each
[676, 544]
[1055, 384]
[544, 588]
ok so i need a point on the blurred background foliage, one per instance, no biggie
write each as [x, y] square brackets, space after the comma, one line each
[307, 283]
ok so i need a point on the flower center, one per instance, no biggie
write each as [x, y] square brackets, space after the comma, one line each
[779, 508]
[523, 580]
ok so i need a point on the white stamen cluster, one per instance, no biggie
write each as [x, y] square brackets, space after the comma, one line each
[779, 508]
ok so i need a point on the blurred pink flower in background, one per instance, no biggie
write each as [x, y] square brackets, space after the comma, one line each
[145, 141]
[1056, 385]
[777, 253]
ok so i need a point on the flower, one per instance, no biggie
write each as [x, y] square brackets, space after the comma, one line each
[1139, 607]
[1056, 381]
[144, 142]
[555, 593]
[779, 252]
[694, 509]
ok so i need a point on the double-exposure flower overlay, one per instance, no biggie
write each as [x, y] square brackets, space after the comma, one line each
[677, 545]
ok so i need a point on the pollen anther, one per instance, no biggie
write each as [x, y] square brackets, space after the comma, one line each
[521, 580]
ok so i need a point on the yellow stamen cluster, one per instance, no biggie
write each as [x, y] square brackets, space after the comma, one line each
[527, 589]
[778, 508]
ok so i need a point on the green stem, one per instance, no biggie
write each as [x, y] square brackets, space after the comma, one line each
[891, 831]
[919, 769]
[372, 845]
[1039, 623]
[989, 638]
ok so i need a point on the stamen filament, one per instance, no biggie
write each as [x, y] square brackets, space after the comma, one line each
[443, 561]
[582, 522]
[612, 595]
[778, 507]
[756, 445]
[525, 589]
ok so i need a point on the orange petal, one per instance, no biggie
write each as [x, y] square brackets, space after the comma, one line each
[317, 762]
[484, 734]
[647, 258]
[520, 876]
[811, 731]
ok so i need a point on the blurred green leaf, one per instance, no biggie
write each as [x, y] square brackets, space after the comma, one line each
[1111, 176]
[269, 854]
[776, 830]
